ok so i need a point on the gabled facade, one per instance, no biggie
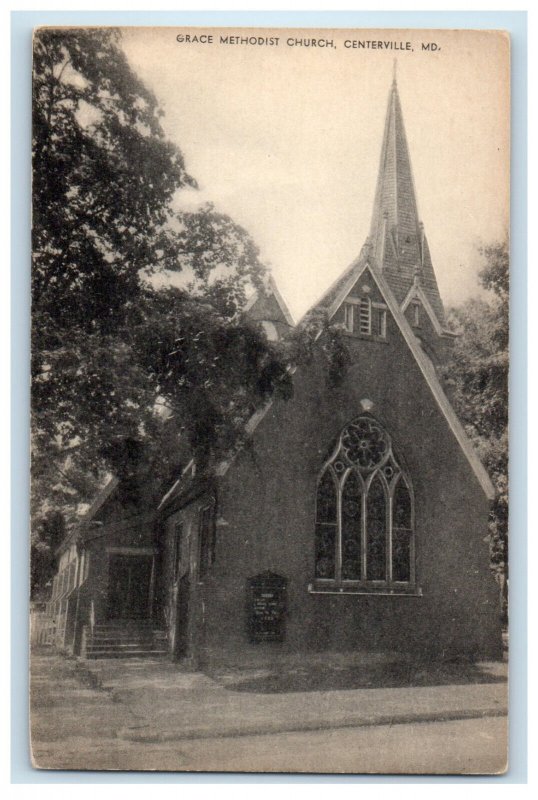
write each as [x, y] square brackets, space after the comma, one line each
[369, 503]
[356, 517]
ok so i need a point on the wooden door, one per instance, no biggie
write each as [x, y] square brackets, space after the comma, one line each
[129, 587]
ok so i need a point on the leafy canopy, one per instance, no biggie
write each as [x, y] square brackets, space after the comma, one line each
[118, 354]
[477, 377]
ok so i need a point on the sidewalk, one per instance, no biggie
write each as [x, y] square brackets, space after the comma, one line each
[112, 713]
[167, 703]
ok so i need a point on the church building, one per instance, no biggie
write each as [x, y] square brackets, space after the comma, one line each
[355, 517]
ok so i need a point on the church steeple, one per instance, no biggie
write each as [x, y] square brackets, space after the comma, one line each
[398, 241]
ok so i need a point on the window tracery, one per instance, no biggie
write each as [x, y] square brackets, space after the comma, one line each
[364, 513]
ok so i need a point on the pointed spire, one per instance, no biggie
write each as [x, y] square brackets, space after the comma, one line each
[399, 244]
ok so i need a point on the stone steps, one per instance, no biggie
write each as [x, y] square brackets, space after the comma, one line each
[95, 654]
[124, 640]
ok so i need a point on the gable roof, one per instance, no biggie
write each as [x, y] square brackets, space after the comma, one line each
[417, 291]
[337, 295]
[100, 499]
[98, 502]
[189, 470]
[269, 305]
[331, 302]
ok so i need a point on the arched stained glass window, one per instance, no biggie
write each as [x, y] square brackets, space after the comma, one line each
[351, 527]
[364, 514]
[401, 515]
[376, 531]
[326, 527]
[401, 533]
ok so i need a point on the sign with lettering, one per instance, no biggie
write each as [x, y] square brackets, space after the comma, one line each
[266, 607]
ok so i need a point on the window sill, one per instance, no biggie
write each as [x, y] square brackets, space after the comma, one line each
[386, 591]
[367, 337]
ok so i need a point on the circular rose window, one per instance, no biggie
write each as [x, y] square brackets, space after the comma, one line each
[365, 444]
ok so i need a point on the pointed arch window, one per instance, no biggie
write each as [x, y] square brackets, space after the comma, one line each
[364, 515]
[326, 527]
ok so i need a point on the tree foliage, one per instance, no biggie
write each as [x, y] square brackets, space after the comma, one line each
[477, 377]
[118, 354]
[333, 346]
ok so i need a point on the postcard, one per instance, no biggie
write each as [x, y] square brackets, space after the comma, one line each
[270, 283]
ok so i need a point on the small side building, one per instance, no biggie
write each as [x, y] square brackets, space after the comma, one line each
[103, 596]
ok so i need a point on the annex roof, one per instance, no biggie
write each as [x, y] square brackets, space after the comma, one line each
[98, 502]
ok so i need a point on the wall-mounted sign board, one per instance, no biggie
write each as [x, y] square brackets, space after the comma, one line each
[266, 607]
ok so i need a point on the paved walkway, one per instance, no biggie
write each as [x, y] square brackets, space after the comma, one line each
[154, 702]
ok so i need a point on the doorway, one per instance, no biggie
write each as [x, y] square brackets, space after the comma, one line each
[129, 586]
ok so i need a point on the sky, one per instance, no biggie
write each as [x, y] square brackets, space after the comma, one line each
[286, 140]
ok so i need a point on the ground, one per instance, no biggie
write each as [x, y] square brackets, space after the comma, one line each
[155, 715]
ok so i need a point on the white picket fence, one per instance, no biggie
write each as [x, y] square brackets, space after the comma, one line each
[42, 628]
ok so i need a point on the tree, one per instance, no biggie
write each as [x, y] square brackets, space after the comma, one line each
[119, 355]
[477, 378]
